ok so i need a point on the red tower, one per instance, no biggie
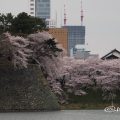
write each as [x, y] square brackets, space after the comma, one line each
[65, 18]
[82, 16]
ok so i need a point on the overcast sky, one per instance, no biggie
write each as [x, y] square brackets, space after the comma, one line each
[101, 18]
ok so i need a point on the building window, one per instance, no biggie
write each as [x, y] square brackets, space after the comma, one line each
[31, 8]
[45, 0]
[31, 4]
[47, 5]
[31, 12]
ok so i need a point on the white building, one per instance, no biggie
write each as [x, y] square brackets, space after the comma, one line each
[32, 7]
[51, 23]
[80, 52]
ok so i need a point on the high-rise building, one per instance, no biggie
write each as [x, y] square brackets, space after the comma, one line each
[76, 36]
[42, 9]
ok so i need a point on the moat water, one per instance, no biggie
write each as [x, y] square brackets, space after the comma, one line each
[62, 115]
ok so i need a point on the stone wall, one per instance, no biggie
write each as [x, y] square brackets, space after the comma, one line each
[25, 90]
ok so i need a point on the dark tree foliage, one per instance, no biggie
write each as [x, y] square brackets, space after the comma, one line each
[27, 24]
[53, 46]
[22, 24]
[5, 22]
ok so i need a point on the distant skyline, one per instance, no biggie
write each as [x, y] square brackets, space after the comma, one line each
[101, 18]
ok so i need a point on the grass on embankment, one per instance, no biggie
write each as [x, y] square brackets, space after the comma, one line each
[93, 100]
[87, 106]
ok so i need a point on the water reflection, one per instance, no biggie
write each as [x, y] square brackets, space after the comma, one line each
[62, 115]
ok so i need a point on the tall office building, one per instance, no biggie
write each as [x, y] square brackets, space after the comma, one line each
[40, 8]
[76, 36]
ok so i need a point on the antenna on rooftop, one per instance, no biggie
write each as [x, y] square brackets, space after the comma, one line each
[56, 18]
[65, 19]
[82, 16]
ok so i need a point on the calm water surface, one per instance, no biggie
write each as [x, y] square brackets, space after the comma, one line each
[62, 115]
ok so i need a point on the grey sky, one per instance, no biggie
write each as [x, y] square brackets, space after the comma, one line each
[102, 19]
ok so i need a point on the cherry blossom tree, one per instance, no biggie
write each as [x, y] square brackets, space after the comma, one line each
[47, 54]
[14, 49]
[92, 74]
[39, 48]
[64, 74]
